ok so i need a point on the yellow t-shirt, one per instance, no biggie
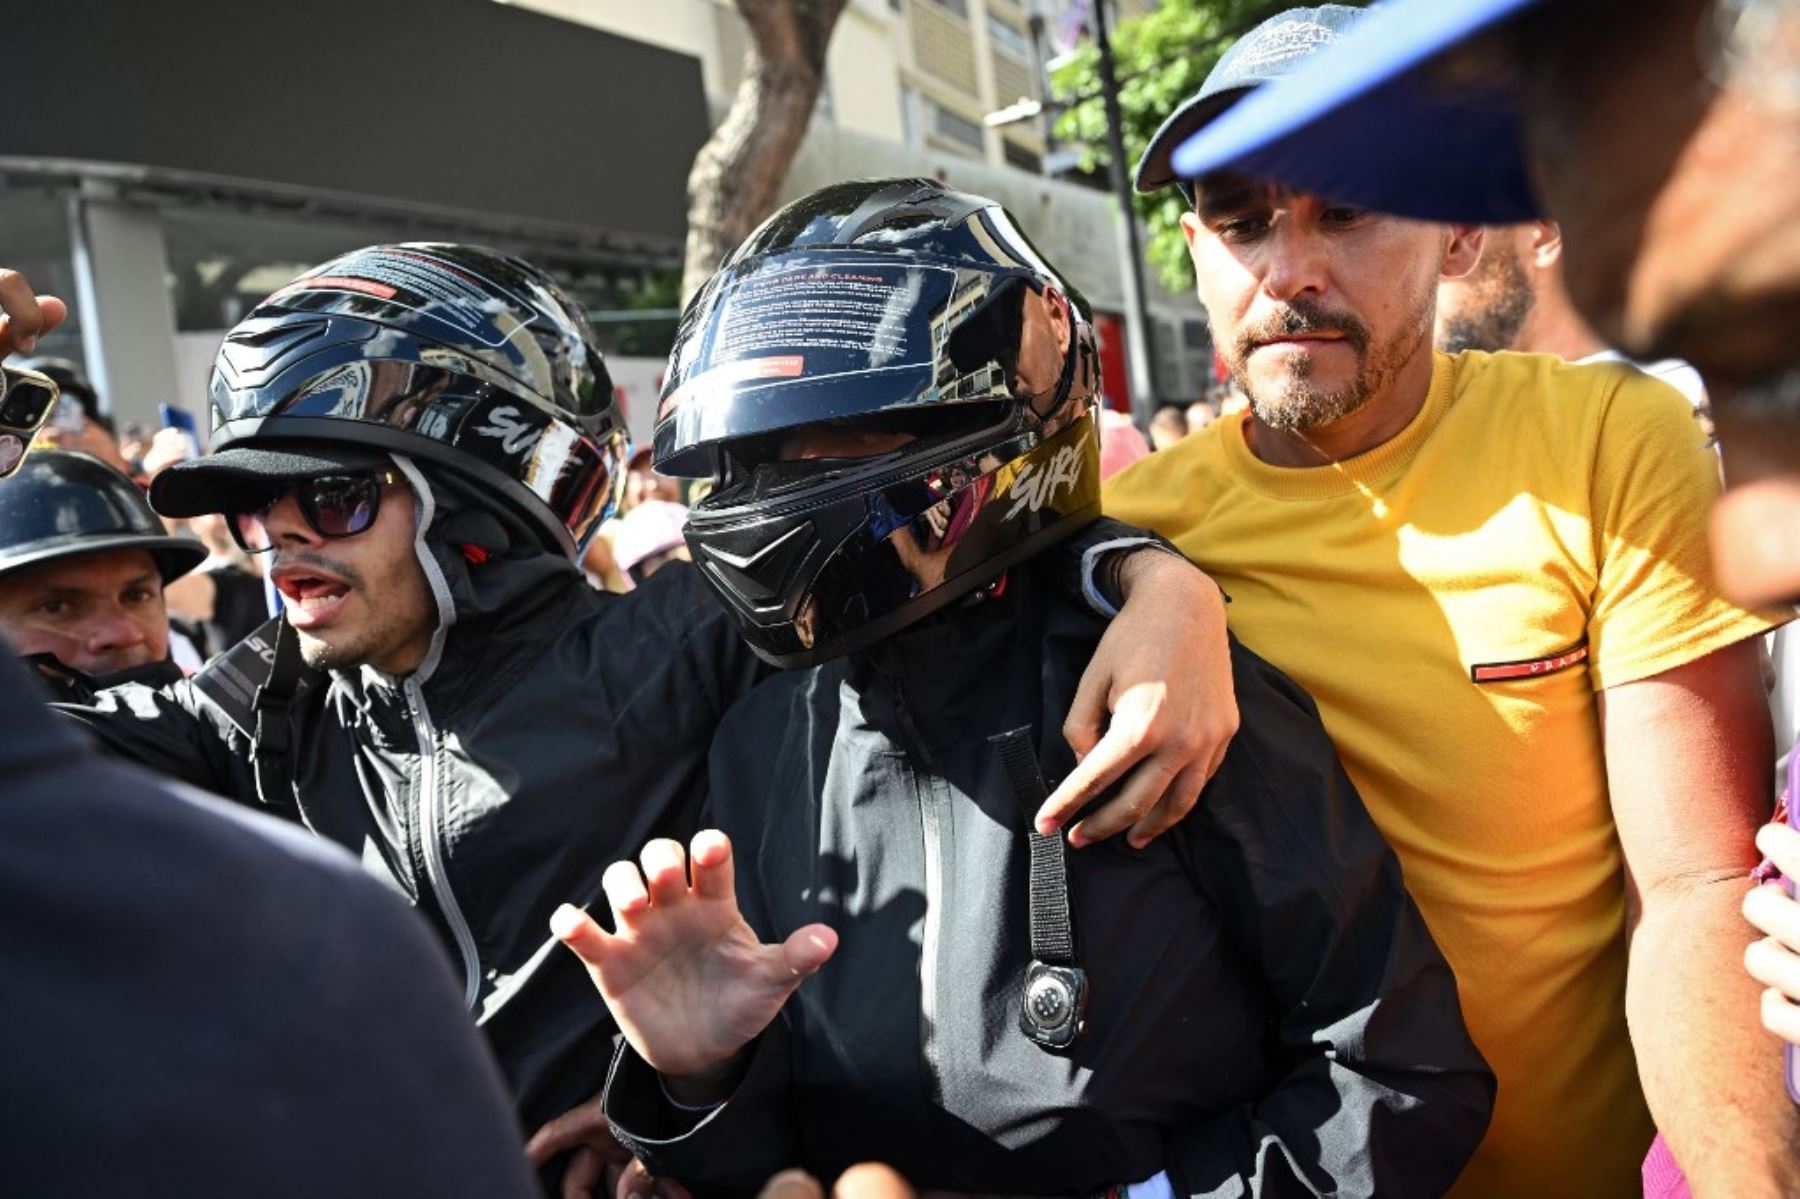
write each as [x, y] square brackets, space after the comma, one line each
[1540, 527]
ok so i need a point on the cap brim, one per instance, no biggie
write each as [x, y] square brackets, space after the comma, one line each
[1366, 122]
[236, 474]
[1155, 170]
[175, 556]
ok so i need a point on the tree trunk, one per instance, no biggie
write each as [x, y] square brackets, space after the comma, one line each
[739, 171]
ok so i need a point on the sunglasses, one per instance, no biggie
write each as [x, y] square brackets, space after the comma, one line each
[332, 505]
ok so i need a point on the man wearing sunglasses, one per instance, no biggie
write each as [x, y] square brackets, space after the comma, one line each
[347, 576]
[421, 437]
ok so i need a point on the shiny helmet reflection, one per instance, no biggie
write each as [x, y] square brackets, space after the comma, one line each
[901, 308]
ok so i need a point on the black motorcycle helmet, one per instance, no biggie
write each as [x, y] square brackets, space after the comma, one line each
[469, 360]
[900, 306]
[61, 504]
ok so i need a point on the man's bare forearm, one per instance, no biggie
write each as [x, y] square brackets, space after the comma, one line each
[1710, 1073]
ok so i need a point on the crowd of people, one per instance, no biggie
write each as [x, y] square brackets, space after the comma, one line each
[1359, 786]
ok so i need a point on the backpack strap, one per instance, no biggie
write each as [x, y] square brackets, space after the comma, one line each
[254, 685]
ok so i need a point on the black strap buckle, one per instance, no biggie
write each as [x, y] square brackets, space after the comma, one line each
[1053, 1005]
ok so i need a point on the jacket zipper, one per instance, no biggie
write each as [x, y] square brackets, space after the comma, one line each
[928, 937]
[431, 840]
[930, 819]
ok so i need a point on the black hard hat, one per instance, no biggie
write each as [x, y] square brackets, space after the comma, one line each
[61, 504]
[900, 305]
[465, 358]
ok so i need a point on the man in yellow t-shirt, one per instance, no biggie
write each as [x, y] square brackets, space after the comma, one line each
[1491, 573]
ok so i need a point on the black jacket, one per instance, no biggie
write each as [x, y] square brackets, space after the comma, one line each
[564, 728]
[1269, 1015]
[198, 1000]
[557, 728]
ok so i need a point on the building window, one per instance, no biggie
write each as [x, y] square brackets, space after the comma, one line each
[958, 7]
[958, 129]
[39, 245]
[1008, 38]
[1025, 160]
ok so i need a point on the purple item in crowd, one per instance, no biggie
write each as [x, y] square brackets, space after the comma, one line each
[1663, 1178]
[1788, 1062]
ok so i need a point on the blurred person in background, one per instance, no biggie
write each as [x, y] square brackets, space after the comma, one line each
[134, 439]
[1120, 442]
[1200, 415]
[78, 424]
[1168, 426]
[650, 537]
[1511, 554]
[223, 600]
[600, 565]
[84, 563]
[643, 483]
[1514, 299]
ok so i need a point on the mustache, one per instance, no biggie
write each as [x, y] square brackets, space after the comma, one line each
[342, 570]
[1299, 317]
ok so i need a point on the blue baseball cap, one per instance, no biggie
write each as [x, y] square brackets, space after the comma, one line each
[1268, 52]
[1373, 120]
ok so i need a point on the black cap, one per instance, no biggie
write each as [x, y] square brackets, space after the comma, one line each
[1271, 50]
[240, 477]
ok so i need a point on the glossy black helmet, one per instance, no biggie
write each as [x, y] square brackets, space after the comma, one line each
[464, 358]
[918, 313]
[61, 504]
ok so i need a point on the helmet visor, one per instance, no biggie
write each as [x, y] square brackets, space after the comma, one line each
[827, 335]
[573, 474]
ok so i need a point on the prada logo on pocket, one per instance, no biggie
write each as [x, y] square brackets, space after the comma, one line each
[1501, 672]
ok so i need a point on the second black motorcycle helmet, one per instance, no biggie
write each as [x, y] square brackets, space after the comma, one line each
[469, 360]
[900, 306]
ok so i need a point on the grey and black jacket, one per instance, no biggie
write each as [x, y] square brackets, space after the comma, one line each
[551, 730]
[1269, 1015]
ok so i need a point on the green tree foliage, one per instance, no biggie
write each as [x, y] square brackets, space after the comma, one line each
[1161, 59]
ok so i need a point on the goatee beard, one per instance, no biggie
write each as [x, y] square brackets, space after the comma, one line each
[1297, 405]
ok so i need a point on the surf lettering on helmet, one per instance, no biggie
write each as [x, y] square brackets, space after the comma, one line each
[516, 436]
[1038, 484]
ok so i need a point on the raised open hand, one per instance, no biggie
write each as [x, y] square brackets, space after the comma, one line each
[686, 978]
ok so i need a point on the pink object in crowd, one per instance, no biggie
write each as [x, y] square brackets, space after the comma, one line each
[1120, 443]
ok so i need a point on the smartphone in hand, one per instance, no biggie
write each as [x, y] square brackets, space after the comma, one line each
[26, 401]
